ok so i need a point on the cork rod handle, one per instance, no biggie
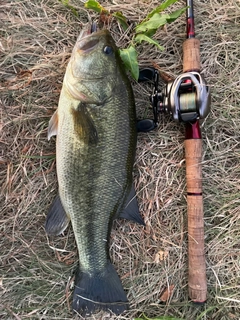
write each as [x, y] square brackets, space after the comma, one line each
[196, 257]
[191, 55]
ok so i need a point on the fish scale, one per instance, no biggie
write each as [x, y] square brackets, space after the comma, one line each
[105, 179]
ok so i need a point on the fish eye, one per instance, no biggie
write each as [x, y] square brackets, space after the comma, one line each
[108, 50]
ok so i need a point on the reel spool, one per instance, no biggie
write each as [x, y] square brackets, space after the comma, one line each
[187, 98]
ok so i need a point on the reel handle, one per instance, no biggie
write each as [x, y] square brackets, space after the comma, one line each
[197, 283]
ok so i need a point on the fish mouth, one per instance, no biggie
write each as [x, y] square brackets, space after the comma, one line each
[86, 32]
[84, 42]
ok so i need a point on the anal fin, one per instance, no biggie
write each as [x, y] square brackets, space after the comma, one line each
[57, 220]
[131, 210]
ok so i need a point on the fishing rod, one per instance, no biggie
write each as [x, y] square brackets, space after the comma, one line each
[197, 99]
[187, 99]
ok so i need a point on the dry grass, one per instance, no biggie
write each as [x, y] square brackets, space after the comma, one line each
[36, 272]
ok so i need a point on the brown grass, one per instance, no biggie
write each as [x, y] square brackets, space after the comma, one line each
[36, 272]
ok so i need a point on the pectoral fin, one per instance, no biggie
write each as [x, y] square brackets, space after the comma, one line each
[84, 126]
[57, 220]
[53, 125]
[131, 210]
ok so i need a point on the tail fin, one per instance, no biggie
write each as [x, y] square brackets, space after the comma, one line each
[99, 291]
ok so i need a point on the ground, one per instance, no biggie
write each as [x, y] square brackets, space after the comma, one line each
[36, 271]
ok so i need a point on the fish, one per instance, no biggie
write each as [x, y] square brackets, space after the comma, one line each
[96, 135]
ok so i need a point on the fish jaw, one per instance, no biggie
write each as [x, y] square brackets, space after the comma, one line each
[92, 70]
[94, 65]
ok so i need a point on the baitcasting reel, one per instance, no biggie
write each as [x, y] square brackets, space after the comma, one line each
[186, 98]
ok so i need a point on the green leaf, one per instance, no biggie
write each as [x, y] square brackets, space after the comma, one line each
[174, 15]
[143, 37]
[161, 7]
[95, 5]
[154, 22]
[150, 33]
[129, 58]
[121, 19]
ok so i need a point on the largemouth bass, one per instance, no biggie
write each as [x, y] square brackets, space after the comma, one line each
[95, 124]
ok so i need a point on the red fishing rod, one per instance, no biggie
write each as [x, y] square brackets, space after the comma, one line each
[187, 99]
[197, 283]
